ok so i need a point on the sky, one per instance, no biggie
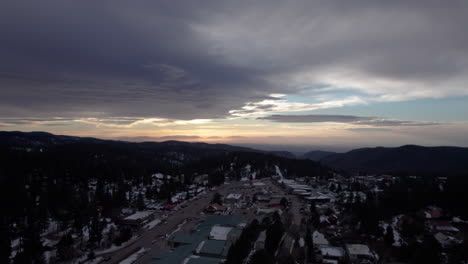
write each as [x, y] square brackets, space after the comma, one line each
[329, 74]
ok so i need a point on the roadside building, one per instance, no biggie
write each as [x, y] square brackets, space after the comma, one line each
[275, 203]
[269, 211]
[138, 218]
[188, 249]
[263, 198]
[357, 253]
[318, 239]
[214, 207]
[233, 198]
[213, 249]
[220, 232]
[331, 255]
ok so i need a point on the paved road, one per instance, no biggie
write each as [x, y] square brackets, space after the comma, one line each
[295, 205]
[145, 240]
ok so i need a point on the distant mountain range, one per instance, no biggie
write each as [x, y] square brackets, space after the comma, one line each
[405, 159]
[196, 150]
[409, 159]
[317, 155]
[40, 151]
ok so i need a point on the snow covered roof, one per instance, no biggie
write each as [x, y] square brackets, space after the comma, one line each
[332, 252]
[139, 215]
[319, 239]
[269, 210]
[358, 249]
[217, 207]
[235, 196]
[219, 232]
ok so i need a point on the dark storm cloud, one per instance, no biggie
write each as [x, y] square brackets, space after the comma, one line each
[200, 59]
[349, 119]
[109, 58]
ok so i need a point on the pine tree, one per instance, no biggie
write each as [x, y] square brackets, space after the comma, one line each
[140, 202]
[389, 237]
[5, 241]
[261, 257]
[65, 250]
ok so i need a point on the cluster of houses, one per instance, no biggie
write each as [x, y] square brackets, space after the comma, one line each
[326, 196]
[443, 227]
[349, 253]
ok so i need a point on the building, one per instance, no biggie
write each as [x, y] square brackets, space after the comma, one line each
[275, 203]
[233, 198]
[318, 239]
[263, 198]
[269, 211]
[317, 197]
[220, 232]
[138, 218]
[189, 249]
[331, 255]
[357, 253]
[214, 207]
[213, 249]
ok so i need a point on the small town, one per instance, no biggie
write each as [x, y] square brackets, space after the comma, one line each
[302, 220]
[234, 132]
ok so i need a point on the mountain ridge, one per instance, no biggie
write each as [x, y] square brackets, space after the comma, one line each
[403, 159]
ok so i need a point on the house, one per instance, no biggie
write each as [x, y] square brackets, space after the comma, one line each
[168, 207]
[444, 226]
[433, 213]
[214, 207]
[331, 255]
[358, 253]
[275, 203]
[213, 248]
[220, 232]
[138, 218]
[317, 197]
[233, 198]
[444, 240]
[269, 211]
[263, 198]
[318, 239]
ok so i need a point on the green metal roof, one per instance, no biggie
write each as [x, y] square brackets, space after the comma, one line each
[214, 247]
[183, 239]
[191, 242]
[203, 260]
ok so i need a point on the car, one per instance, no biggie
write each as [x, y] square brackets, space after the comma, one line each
[154, 241]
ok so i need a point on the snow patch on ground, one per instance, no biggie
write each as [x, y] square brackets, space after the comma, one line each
[396, 234]
[115, 248]
[152, 224]
[278, 172]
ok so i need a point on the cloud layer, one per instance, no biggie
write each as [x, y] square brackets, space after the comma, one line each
[349, 119]
[216, 59]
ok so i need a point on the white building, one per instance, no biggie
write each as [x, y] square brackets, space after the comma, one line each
[220, 232]
[233, 198]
